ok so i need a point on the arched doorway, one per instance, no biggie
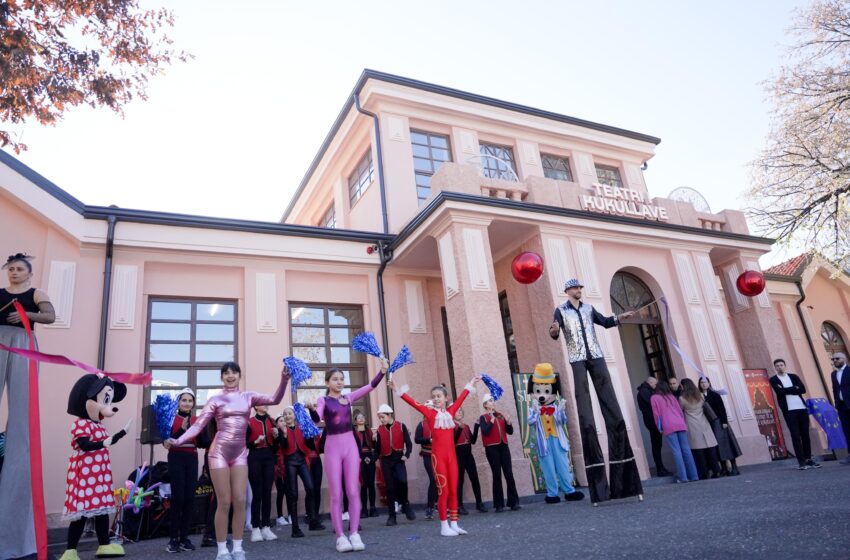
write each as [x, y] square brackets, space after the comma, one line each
[644, 342]
[832, 339]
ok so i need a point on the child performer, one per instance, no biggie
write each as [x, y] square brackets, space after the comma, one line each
[366, 444]
[465, 438]
[280, 475]
[298, 458]
[261, 443]
[183, 473]
[341, 453]
[228, 455]
[439, 419]
[495, 429]
[393, 447]
[422, 436]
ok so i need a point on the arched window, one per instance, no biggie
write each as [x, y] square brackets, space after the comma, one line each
[832, 340]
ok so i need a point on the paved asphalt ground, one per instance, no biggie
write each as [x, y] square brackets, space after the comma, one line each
[770, 511]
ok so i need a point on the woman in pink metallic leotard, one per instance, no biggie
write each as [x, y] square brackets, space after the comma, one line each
[228, 454]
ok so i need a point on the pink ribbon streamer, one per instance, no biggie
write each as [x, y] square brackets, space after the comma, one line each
[129, 378]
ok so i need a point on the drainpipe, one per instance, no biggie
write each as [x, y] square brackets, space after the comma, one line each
[386, 255]
[380, 162]
[107, 289]
[826, 390]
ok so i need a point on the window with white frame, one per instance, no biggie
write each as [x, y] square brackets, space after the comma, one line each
[608, 175]
[329, 217]
[556, 167]
[361, 177]
[497, 162]
[430, 152]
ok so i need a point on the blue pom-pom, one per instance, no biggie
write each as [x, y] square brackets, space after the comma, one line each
[365, 342]
[298, 370]
[308, 428]
[2, 444]
[165, 408]
[402, 359]
[494, 388]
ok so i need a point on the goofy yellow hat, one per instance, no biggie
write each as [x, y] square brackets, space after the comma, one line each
[543, 373]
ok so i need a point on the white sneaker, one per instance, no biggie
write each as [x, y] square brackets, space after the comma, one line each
[267, 534]
[282, 521]
[356, 541]
[256, 535]
[343, 544]
[345, 516]
[446, 530]
[456, 529]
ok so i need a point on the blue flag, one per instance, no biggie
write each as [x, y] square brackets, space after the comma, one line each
[827, 417]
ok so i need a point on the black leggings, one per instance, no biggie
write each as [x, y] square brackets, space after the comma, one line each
[261, 476]
[316, 473]
[280, 486]
[432, 484]
[499, 457]
[101, 527]
[367, 489]
[466, 465]
[296, 467]
[395, 476]
[183, 473]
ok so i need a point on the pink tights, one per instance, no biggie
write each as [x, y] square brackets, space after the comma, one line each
[342, 460]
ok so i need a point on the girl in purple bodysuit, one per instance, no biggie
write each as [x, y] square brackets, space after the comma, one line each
[228, 454]
[342, 455]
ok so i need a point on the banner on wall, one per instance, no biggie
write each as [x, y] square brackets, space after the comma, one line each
[529, 442]
[766, 411]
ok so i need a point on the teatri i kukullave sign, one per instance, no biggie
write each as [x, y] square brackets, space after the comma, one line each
[622, 202]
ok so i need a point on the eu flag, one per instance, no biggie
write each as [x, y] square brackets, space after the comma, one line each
[827, 417]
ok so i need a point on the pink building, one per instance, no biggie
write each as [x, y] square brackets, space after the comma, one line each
[406, 224]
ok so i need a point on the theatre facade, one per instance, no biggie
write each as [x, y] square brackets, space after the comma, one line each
[406, 224]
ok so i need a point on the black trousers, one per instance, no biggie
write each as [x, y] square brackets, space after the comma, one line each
[499, 457]
[280, 486]
[296, 467]
[466, 465]
[183, 473]
[432, 483]
[625, 480]
[844, 416]
[798, 425]
[367, 489]
[395, 477]
[707, 459]
[101, 528]
[316, 473]
[655, 439]
[261, 476]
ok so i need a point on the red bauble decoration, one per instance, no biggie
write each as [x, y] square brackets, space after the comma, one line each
[750, 283]
[527, 267]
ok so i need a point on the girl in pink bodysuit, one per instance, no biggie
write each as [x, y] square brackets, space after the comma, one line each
[228, 454]
[342, 454]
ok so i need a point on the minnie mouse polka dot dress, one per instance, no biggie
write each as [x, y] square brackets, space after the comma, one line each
[89, 484]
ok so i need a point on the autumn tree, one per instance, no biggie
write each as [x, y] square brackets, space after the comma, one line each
[802, 178]
[56, 54]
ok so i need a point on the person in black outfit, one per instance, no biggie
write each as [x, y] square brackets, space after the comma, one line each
[789, 390]
[393, 447]
[727, 443]
[841, 396]
[183, 474]
[317, 447]
[366, 443]
[495, 429]
[644, 393]
[422, 436]
[465, 438]
[261, 440]
[298, 456]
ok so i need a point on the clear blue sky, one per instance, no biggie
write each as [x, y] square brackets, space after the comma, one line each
[232, 132]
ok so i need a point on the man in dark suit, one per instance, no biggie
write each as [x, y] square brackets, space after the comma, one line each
[644, 394]
[841, 396]
[789, 390]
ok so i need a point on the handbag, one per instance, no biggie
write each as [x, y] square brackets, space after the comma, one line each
[709, 412]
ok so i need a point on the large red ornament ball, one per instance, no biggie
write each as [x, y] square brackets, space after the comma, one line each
[750, 283]
[527, 267]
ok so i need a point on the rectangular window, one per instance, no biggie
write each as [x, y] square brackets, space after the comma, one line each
[361, 177]
[188, 340]
[556, 167]
[497, 162]
[608, 175]
[430, 152]
[321, 335]
[329, 218]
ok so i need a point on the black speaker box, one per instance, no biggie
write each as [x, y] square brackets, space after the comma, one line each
[150, 432]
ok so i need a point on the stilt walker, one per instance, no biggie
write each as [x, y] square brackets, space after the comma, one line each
[576, 320]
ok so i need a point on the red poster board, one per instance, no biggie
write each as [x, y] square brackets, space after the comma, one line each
[767, 414]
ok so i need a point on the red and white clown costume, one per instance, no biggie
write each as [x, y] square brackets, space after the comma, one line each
[443, 457]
